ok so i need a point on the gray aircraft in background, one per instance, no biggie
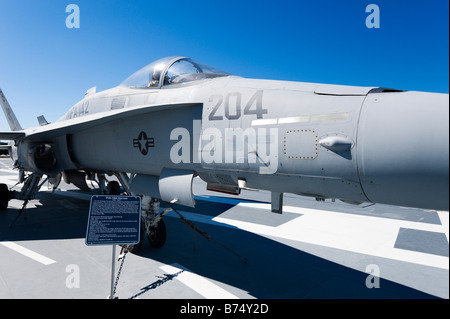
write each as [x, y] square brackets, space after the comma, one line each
[177, 118]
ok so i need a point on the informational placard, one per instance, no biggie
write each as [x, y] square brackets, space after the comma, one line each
[114, 220]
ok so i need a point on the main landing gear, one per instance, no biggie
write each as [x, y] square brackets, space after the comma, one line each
[32, 183]
[29, 189]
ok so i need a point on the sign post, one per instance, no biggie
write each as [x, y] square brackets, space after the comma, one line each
[114, 220]
[113, 271]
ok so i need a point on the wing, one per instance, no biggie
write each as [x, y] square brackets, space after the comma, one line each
[78, 124]
[11, 136]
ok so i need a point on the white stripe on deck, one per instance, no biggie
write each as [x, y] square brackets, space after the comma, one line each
[443, 216]
[28, 253]
[198, 283]
[368, 235]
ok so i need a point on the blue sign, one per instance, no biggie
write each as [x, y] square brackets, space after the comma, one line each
[114, 220]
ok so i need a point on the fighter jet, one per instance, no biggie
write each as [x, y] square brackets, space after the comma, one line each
[176, 119]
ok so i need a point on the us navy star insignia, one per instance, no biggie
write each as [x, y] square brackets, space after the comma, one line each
[143, 143]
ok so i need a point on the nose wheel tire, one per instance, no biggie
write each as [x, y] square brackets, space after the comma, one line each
[4, 197]
[158, 235]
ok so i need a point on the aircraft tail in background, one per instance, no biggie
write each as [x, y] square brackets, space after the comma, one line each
[9, 113]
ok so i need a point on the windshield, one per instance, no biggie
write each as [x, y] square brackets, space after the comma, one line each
[148, 76]
[187, 70]
[170, 71]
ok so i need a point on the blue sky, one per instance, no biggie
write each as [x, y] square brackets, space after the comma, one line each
[45, 67]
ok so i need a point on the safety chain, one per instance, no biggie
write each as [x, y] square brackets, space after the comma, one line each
[123, 254]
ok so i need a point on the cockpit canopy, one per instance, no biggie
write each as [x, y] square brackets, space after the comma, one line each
[171, 71]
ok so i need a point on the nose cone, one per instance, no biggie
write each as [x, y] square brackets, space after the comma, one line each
[403, 149]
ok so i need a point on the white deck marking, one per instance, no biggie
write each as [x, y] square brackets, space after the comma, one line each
[368, 235]
[28, 253]
[443, 216]
[198, 283]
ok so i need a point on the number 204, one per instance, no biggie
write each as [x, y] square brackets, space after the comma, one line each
[233, 106]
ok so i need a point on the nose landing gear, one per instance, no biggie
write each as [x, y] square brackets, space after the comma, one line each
[152, 225]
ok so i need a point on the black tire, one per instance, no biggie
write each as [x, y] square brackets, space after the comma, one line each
[158, 235]
[4, 197]
[114, 188]
[137, 247]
